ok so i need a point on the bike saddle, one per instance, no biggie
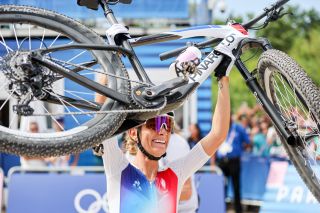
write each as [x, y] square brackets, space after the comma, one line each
[94, 4]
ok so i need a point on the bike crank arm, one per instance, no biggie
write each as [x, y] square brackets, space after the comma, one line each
[164, 88]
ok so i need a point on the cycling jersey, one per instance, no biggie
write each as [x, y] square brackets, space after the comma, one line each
[128, 189]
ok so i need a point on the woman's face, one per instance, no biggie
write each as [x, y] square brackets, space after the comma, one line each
[153, 142]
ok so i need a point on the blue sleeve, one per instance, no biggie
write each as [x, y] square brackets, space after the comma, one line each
[244, 135]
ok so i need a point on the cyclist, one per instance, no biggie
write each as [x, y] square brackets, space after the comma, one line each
[141, 186]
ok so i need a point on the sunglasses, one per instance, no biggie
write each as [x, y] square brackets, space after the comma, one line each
[158, 122]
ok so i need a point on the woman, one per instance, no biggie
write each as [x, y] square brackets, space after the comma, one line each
[140, 186]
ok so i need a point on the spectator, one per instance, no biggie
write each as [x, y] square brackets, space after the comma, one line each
[30, 162]
[276, 148]
[228, 158]
[195, 135]
[245, 122]
[259, 140]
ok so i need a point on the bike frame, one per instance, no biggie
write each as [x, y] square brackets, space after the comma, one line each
[205, 69]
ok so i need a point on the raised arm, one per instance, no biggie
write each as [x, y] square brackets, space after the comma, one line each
[220, 121]
[113, 158]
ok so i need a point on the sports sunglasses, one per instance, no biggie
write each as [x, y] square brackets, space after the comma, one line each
[160, 121]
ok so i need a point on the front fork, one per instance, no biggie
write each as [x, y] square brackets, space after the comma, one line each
[252, 83]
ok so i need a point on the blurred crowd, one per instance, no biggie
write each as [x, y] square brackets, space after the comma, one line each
[264, 141]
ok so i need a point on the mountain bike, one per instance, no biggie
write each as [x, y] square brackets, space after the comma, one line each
[41, 48]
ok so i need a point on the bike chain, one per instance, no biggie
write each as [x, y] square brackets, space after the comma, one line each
[106, 111]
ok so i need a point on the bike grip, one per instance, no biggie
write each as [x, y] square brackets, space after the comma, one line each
[171, 53]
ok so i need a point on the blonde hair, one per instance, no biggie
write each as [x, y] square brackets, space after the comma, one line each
[130, 145]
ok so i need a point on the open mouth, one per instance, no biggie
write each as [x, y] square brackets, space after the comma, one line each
[159, 142]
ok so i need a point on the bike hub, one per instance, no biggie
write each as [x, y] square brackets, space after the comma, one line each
[25, 79]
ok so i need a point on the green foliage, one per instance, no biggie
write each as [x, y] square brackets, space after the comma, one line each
[306, 53]
[298, 35]
[285, 31]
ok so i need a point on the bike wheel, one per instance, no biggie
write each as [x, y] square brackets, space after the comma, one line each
[24, 28]
[297, 99]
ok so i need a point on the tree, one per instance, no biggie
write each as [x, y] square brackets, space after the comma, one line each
[298, 25]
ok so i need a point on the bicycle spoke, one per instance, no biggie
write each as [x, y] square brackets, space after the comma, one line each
[56, 95]
[15, 35]
[287, 99]
[278, 99]
[66, 102]
[88, 73]
[74, 118]
[298, 106]
[101, 72]
[4, 103]
[293, 95]
[54, 41]
[53, 118]
[3, 42]
[30, 37]
[83, 93]
[287, 109]
[82, 98]
[42, 39]
[78, 55]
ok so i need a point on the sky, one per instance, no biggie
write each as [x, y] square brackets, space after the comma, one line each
[242, 7]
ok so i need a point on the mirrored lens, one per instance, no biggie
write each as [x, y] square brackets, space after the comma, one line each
[160, 121]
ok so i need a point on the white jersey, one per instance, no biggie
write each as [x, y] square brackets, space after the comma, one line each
[129, 191]
[178, 147]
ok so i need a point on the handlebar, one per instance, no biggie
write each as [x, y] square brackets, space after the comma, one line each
[267, 10]
[250, 23]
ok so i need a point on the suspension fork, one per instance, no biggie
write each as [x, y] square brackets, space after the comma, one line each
[264, 101]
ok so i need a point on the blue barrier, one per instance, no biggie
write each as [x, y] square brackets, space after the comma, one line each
[53, 192]
[8, 161]
[254, 175]
[211, 192]
[286, 192]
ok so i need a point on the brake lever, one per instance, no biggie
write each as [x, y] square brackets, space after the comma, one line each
[271, 17]
[278, 15]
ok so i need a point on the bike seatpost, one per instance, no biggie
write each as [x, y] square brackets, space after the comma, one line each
[137, 66]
